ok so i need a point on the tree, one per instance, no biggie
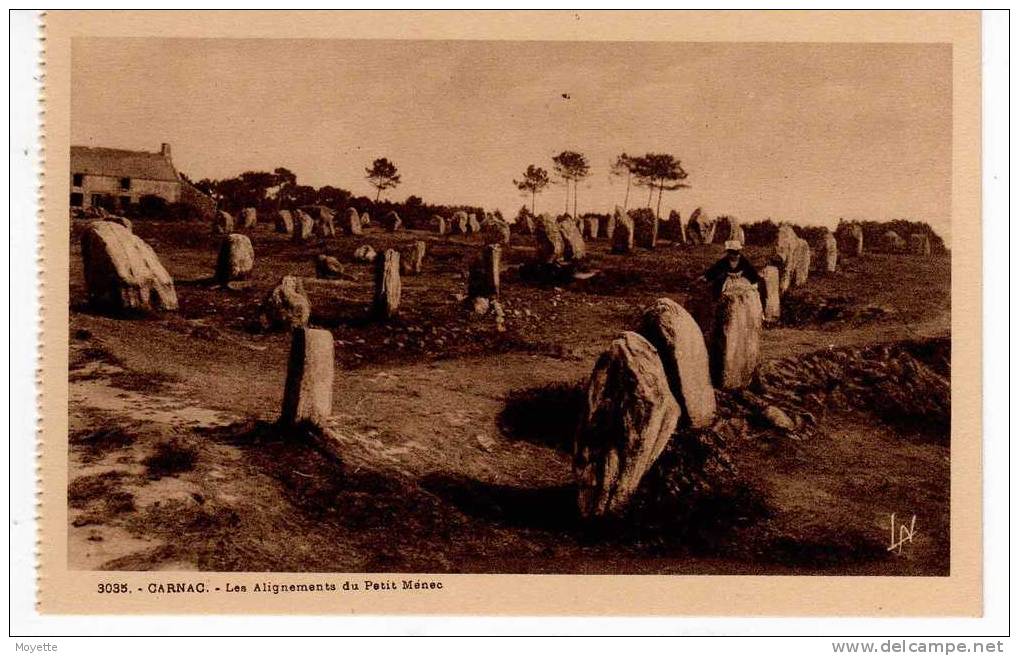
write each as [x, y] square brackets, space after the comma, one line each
[285, 181]
[625, 165]
[382, 175]
[534, 181]
[571, 165]
[660, 171]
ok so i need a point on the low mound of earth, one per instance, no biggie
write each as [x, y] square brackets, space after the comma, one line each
[455, 454]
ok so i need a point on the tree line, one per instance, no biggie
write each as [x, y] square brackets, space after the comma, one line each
[656, 171]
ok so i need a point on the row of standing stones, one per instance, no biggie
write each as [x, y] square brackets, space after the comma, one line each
[646, 385]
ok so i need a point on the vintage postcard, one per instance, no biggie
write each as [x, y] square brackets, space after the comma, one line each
[517, 313]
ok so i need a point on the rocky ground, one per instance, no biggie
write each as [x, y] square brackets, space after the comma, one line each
[454, 434]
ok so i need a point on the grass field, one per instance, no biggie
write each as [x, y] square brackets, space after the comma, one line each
[454, 435]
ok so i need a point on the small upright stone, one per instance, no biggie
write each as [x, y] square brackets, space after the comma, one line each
[249, 217]
[459, 223]
[412, 258]
[352, 224]
[308, 395]
[593, 226]
[303, 225]
[830, 252]
[920, 244]
[286, 306]
[391, 221]
[366, 219]
[364, 253]
[328, 267]
[801, 262]
[323, 218]
[437, 224]
[473, 226]
[770, 294]
[622, 235]
[387, 284]
[284, 222]
[736, 342]
[629, 417]
[236, 258]
[222, 223]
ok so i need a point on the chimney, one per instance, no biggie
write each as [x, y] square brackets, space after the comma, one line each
[164, 150]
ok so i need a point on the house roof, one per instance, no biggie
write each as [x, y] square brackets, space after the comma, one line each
[122, 163]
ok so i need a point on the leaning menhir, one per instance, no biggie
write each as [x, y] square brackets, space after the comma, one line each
[629, 417]
[352, 224]
[308, 395]
[736, 338]
[284, 222]
[303, 225]
[122, 272]
[391, 221]
[680, 344]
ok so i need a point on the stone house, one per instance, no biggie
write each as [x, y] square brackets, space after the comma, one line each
[114, 179]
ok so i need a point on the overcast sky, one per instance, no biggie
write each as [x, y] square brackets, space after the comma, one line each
[799, 132]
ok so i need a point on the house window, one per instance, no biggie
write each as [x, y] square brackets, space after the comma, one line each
[77, 200]
[78, 179]
[97, 200]
[125, 201]
[125, 183]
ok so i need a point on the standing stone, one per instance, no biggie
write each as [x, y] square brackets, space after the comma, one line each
[526, 223]
[412, 258]
[645, 228]
[473, 227]
[248, 217]
[629, 417]
[352, 222]
[483, 275]
[785, 247]
[308, 395]
[328, 267]
[286, 306]
[829, 251]
[494, 231]
[391, 221]
[593, 226]
[366, 219]
[323, 218]
[680, 344]
[236, 258]
[850, 238]
[801, 262]
[437, 224]
[222, 223]
[303, 225]
[573, 242]
[699, 228]
[736, 342]
[894, 242]
[387, 284]
[122, 272]
[771, 297]
[459, 223]
[734, 231]
[622, 235]
[672, 229]
[608, 227]
[364, 253]
[856, 231]
[548, 240]
[284, 222]
[920, 244]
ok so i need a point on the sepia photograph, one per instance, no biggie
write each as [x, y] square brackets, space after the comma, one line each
[509, 307]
